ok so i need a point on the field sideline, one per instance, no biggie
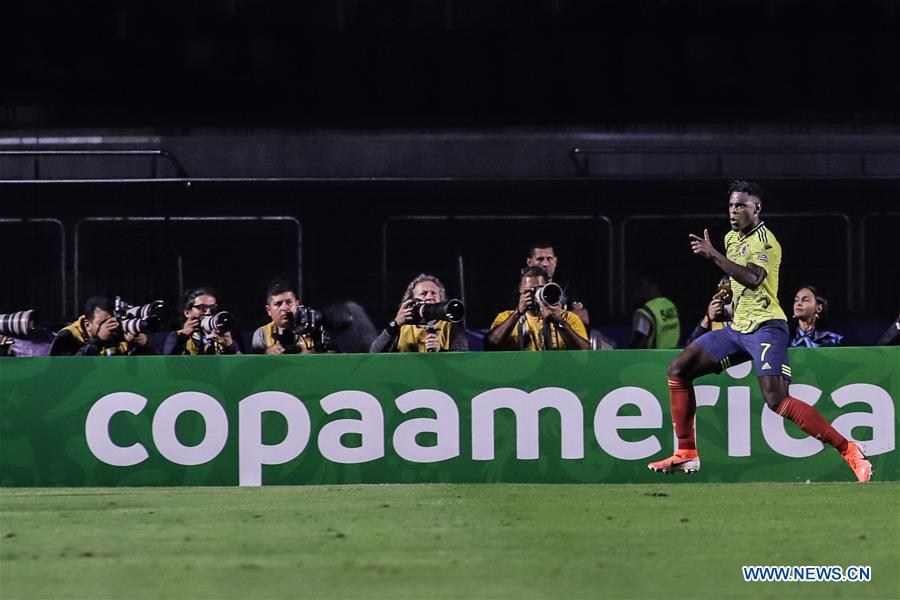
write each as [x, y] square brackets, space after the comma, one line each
[445, 541]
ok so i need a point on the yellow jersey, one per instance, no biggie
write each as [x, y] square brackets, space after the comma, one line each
[753, 307]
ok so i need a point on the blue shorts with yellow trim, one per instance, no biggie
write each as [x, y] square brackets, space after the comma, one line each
[767, 347]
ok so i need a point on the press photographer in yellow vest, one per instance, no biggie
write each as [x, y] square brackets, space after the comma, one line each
[98, 333]
[294, 328]
[425, 322]
[199, 334]
[539, 321]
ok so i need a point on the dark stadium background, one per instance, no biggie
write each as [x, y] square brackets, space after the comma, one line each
[607, 124]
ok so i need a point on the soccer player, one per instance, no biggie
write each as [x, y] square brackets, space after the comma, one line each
[758, 329]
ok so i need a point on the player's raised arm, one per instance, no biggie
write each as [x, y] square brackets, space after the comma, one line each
[750, 276]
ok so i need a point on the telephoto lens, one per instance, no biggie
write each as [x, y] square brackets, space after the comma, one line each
[449, 310]
[549, 294]
[135, 325]
[221, 322]
[157, 308]
[18, 324]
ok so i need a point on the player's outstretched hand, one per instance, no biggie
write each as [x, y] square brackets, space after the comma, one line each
[702, 245]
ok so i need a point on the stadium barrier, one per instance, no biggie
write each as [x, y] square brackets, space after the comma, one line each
[392, 418]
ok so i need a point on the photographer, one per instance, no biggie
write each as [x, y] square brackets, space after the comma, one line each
[191, 339]
[294, 329]
[98, 333]
[410, 332]
[538, 322]
[541, 254]
[891, 336]
[718, 311]
[6, 346]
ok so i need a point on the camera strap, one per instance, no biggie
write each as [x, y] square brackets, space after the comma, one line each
[545, 331]
[523, 331]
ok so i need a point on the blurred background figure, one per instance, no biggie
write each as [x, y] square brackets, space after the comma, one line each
[6, 346]
[350, 327]
[718, 311]
[655, 323]
[810, 314]
[891, 335]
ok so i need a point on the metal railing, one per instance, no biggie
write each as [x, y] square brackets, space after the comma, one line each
[154, 155]
[76, 274]
[580, 156]
[62, 253]
[863, 228]
[503, 218]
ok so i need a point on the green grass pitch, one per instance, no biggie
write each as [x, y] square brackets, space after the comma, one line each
[445, 541]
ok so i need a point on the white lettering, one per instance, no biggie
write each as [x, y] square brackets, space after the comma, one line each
[607, 422]
[739, 421]
[96, 429]
[740, 370]
[167, 441]
[527, 408]
[881, 419]
[370, 426]
[252, 453]
[445, 426]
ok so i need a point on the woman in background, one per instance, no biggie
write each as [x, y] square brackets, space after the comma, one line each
[810, 311]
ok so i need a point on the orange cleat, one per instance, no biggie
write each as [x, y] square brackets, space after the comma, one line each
[861, 466]
[687, 461]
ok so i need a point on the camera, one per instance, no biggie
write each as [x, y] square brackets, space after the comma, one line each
[18, 324]
[157, 308]
[723, 292]
[549, 294]
[136, 325]
[307, 321]
[449, 310]
[144, 318]
[221, 322]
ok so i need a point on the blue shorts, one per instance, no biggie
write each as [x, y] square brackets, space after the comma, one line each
[767, 346]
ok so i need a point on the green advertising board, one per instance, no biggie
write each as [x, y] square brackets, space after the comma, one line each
[405, 418]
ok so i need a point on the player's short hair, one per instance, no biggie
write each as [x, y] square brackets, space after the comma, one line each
[278, 287]
[95, 302]
[745, 187]
[534, 272]
[539, 244]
